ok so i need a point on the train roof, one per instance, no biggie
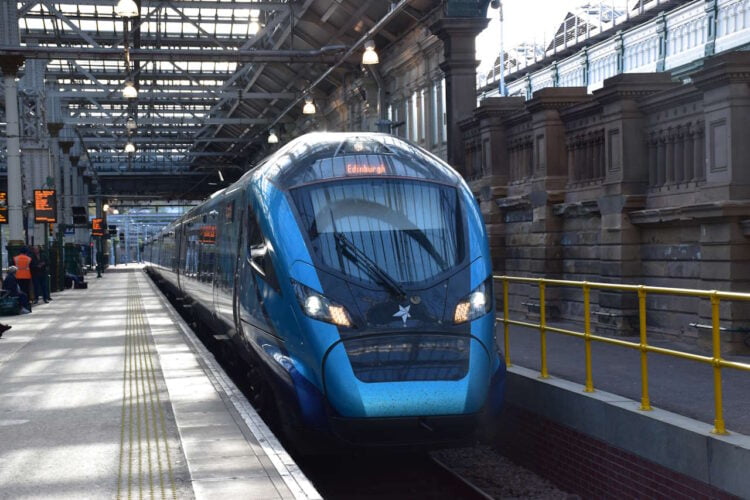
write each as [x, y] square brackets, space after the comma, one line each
[322, 156]
[331, 155]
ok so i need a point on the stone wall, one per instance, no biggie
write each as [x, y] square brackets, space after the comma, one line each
[645, 181]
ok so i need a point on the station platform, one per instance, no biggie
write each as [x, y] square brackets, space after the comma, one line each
[680, 386]
[106, 393]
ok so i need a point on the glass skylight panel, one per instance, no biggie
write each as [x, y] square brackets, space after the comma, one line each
[150, 27]
[88, 25]
[107, 26]
[223, 29]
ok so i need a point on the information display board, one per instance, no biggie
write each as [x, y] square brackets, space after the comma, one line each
[97, 227]
[3, 207]
[80, 217]
[45, 205]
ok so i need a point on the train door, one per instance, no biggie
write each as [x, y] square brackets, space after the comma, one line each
[245, 296]
[256, 277]
[180, 237]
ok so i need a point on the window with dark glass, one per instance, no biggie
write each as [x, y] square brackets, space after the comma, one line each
[408, 228]
[257, 250]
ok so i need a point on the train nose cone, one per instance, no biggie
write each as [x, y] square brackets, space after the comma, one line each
[406, 374]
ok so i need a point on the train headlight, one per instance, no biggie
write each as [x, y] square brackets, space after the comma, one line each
[476, 304]
[320, 307]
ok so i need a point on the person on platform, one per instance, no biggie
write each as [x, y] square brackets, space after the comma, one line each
[10, 284]
[22, 263]
[40, 275]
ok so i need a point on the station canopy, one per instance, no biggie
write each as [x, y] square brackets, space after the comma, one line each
[212, 78]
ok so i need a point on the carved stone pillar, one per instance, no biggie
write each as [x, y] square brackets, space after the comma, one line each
[725, 82]
[699, 158]
[669, 157]
[712, 11]
[687, 155]
[652, 159]
[458, 35]
[570, 148]
[661, 159]
[679, 160]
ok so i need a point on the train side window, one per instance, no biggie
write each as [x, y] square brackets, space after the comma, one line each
[257, 250]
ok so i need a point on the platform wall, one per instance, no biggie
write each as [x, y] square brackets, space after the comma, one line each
[600, 445]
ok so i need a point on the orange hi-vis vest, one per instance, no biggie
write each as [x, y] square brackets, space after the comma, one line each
[23, 263]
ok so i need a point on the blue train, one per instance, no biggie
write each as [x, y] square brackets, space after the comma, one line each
[352, 273]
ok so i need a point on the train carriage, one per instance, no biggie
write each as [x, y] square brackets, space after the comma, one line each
[352, 272]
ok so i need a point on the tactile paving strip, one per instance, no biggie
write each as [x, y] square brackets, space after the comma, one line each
[146, 463]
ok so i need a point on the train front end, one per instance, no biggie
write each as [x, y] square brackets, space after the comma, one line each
[393, 305]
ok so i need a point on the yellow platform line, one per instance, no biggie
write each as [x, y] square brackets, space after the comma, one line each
[145, 466]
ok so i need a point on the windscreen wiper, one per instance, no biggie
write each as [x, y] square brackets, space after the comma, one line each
[367, 263]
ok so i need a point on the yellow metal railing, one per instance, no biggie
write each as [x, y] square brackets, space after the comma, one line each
[715, 360]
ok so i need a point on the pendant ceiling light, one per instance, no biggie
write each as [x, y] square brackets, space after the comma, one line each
[370, 56]
[129, 91]
[126, 8]
[309, 107]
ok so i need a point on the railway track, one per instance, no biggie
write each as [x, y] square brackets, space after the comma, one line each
[387, 476]
[465, 487]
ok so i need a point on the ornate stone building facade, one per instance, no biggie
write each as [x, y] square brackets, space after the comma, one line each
[405, 93]
[644, 181]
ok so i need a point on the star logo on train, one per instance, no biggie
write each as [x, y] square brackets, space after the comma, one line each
[403, 313]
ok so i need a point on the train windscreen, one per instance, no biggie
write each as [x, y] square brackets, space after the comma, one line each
[407, 229]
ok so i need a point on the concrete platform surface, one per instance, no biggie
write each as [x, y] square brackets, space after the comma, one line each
[105, 393]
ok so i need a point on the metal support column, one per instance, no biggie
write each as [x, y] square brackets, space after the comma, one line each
[57, 250]
[79, 198]
[99, 255]
[10, 67]
[34, 142]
